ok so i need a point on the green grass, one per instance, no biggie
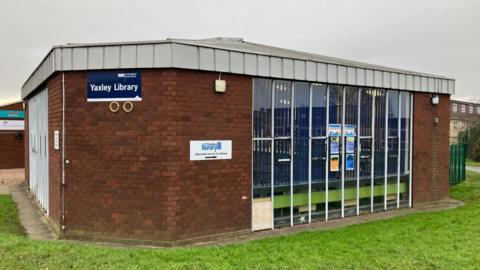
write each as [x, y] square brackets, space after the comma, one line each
[470, 162]
[441, 240]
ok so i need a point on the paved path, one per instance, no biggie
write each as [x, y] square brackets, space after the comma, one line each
[475, 169]
[32, 218]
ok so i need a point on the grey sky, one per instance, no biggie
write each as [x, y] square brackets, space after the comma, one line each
[432, 36]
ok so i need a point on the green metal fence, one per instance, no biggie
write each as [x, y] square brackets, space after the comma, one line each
[457, 163]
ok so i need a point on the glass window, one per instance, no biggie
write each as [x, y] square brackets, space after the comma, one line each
[470, 109]
[404, 148]
[301, 124]
[478, 110]
[350, 142]
[463, 108]
[283, 108]
[319, 110]
[392, 154]
[262, 108]
[379, 153]
[454, 107]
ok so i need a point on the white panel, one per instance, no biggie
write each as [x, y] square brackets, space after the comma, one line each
[451, 86]
[299, 69]
[163, 55]
[38, 147]
[444, 87]
[207, 59]
[66, 59]
[236, 62]
[185, 56]
[276, 67]
[128, 56]
[332, 73]
[431, 84]
[79, 58]
[263, 65]
[424, 84]
[378, 78]
[386, 80]
[369, 77]
[311, 71]
[416, 80]
[250, 64]
[145, 56]
[409, 85]
[321, 72]
[95, 58]
[437, 85]
[112, 57]
[222, 61]
[351, 76]
[58, 59]
[361, 76]
[402, 81]
[287, 68]
[394, 80]
[342, 74]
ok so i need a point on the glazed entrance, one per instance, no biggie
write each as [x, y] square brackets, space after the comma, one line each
[323, 152]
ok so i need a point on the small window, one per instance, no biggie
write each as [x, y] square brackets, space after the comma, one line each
[470, 109]
[463, 108]
[454, 124]
[454, 107]
[478, 110]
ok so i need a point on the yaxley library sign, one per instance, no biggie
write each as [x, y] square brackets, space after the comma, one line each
[124, 85]
[208, 150]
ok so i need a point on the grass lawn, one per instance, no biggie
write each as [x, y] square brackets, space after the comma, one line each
[442, 240]
[470, 162]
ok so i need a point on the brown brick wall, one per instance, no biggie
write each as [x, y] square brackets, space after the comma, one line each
[431, 150]
[12, 143]
[130, 175]
[55, 156]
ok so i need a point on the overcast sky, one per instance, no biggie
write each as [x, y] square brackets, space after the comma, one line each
[432, 36]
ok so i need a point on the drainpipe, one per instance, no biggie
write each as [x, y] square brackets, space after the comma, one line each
[62, 222]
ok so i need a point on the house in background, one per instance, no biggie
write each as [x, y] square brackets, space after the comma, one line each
[463, 114]
[12, 154]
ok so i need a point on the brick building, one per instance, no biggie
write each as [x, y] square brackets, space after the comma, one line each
[463, 114]
[172, 141]
[11, 136]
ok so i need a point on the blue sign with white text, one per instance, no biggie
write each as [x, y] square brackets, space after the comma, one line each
[120, 85]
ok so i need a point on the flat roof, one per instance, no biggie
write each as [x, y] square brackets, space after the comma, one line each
[231, 55]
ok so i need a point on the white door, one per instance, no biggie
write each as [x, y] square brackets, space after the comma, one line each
[38, 147]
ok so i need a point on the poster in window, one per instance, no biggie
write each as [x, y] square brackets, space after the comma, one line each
[334, 130]
[334, 163]
[334, 145]
[349, 162]
[350, 145]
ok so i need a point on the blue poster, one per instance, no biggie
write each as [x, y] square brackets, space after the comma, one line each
[349, 162]
[334, 145]
[120, 85]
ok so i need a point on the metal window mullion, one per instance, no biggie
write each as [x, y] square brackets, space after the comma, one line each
[358, 150]
[272, 147]
[372, 153]
[310, 156]
[385, 155]
[292, 98]
[410, 152]
[344, 90]
[327, 104]
[399, 132]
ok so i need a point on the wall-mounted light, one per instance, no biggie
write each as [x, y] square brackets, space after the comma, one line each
[220, 85]
[435, 99]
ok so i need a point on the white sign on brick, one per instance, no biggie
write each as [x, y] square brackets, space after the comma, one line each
[210, 150]
[11, 124]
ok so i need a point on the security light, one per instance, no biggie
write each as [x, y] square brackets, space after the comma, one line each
[435, 99]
